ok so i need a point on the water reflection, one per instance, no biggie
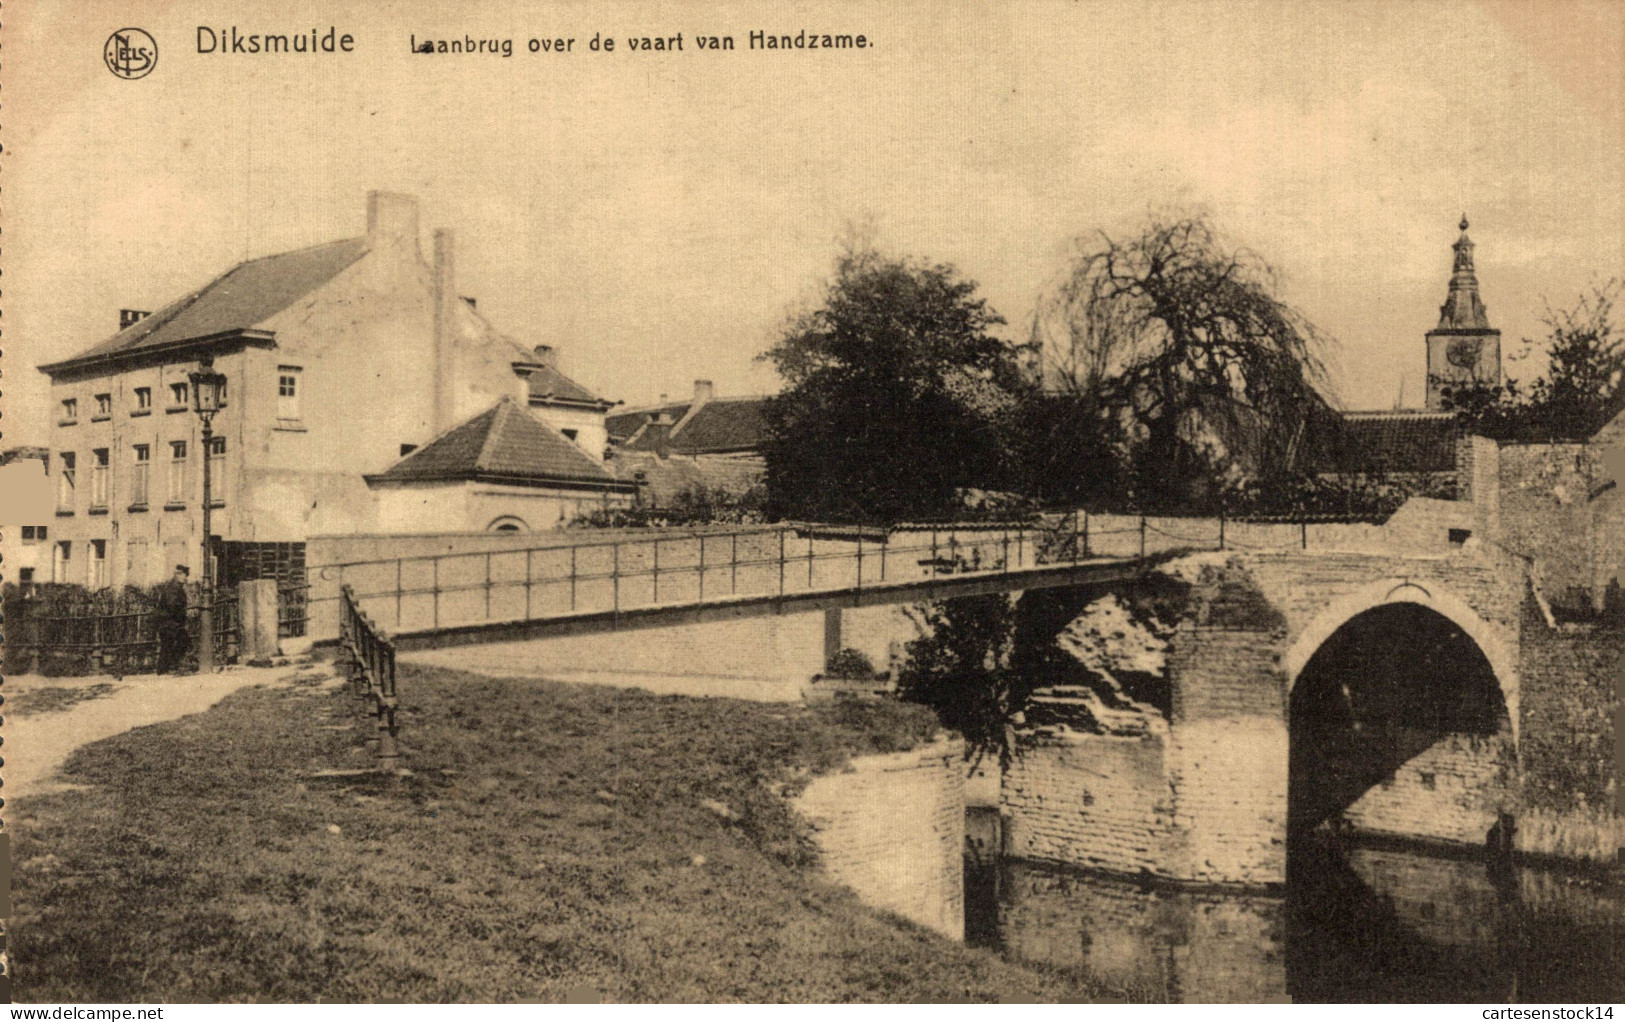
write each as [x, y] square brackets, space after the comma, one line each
[1356, 922]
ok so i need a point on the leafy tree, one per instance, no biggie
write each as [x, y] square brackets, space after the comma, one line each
[1184, 344]
[1064, 448]
[961, 668]
[893, 386]
[1579, 391]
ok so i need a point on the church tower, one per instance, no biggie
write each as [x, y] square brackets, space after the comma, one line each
[1462, 348]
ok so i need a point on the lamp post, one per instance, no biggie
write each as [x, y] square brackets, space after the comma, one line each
[207, 387]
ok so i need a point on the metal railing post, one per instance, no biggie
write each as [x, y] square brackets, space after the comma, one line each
[488, 585]
[1021, 545]
[572, 577]
[702, 567]
[529, 572]
[809, 561]
[1074, 535]
[398, 592]
[615, 578]
[1221, 529]
[436, 591]
[884, 543]
[933, 551]
[1142, 537]
[1086, 534]
[781, 562]
[657, 570]
[1303, 530]
[1006, 554]
[733, 560]
[860, 562]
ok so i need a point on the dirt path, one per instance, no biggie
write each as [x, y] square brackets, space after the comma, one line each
[38, 742]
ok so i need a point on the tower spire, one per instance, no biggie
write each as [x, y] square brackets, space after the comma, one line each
[1462, 308]
[1463, 350]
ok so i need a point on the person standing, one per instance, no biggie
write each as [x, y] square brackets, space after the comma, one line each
[173, 641]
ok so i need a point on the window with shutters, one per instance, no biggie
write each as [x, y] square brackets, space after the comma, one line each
[98, 479]
[140, 465]
[65, 483]
[176, 494]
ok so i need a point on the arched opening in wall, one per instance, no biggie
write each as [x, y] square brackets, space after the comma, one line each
[508, 523]
[1398, 725]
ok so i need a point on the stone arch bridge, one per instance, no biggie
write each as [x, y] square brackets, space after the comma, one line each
[1375, 676]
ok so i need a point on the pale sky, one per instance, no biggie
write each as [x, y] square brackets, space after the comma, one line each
[657, 215]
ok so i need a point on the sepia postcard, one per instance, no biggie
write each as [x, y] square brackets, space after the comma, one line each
[693, 502]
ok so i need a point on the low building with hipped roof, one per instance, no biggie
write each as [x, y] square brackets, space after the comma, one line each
[503, 470]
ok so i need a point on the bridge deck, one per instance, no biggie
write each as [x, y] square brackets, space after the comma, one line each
[574, 587]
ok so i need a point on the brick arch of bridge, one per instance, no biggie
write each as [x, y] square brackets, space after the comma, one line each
[1433, 595]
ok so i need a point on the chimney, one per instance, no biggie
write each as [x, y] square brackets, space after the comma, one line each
[703, 391]
[659, 431]
[547, 355]
[129, 317]
[392, 221]
[445, 346]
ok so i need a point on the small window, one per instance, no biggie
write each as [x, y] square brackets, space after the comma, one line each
[408, 449]
[104, 405]
[287, 392]
[29, 535]
[70, 409]
[1459, 537]
[1429, 780]
[178, 395]
[569, 434]
[143, 399]
[25, 575]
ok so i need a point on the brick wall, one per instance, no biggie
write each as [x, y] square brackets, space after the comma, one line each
[892, 828]
[1227, 761]
[1546, 514]
[1101, 801]
[1570, 702]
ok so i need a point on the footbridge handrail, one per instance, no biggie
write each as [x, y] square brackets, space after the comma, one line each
[370, 659]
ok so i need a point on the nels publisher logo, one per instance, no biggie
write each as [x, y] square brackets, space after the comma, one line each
[130, 53]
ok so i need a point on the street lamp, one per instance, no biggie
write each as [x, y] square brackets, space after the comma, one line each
[208, 387]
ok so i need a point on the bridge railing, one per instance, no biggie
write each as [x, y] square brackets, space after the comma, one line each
[435, 591]
[370, 657]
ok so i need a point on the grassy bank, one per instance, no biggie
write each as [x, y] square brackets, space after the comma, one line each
[552, 844]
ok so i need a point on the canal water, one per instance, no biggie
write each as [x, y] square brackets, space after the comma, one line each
[1356, 921]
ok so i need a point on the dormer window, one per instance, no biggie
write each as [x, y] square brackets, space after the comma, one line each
[70, 410]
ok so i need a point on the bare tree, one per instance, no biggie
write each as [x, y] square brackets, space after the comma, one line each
[1186, 343]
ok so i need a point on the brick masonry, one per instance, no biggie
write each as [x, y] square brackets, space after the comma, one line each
[892, 828]
[1203, 797]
